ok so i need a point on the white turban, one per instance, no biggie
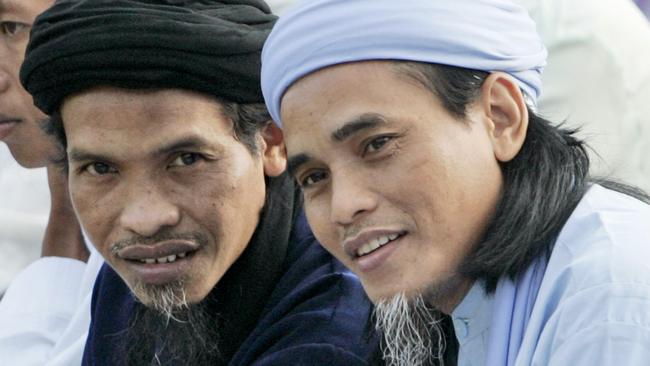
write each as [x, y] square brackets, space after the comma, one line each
[488, 35]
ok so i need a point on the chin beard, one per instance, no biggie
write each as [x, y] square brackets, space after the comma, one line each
[166, 299]
[411, 331]
[166, 330]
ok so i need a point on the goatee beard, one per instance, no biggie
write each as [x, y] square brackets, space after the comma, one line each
[166, 330]
[412, 335]
[166, 299]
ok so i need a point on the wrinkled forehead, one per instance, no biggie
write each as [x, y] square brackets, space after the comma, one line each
[140, 119]
[6, 5]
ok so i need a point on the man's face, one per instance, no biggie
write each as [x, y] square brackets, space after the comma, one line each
[19, 118]
[163, 188]
[395, 187]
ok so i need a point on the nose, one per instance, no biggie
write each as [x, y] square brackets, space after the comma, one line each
[351, 198]
[147, 211]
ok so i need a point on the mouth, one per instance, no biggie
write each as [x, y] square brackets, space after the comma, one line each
[159, 263]
[6, 125]
[370, 250]
[375, 244]
[164, 259]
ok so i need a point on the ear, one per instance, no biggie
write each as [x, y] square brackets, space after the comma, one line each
[274, 152]
[507, 115]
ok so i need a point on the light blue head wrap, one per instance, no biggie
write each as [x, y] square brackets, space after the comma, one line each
[488, 35]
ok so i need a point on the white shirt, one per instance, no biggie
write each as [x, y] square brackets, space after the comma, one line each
[593, 304]
[24, 210]
[45, 313]
[471, 319]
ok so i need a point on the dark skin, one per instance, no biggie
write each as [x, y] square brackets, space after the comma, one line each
[63, 236]
[28, 144]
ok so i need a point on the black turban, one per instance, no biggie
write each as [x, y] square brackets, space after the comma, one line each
[212, 47]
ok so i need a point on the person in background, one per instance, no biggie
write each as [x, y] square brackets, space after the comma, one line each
[45, 313]
[411, 128]
[597, 80]
[177, 174]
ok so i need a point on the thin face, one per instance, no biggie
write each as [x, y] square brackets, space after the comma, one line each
[161, 185]
[19, 119]
[395, 187]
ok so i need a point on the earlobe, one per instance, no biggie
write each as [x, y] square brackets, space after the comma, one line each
[274, 152]
[507, 115]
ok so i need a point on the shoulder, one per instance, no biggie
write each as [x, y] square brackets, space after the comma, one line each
[606, 240]
[317, 312]
[44, 315]
[111, 307]
[596, 286]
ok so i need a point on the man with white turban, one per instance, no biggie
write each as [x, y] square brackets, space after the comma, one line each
[411, 129]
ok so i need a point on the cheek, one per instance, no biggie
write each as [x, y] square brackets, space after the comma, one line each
[235, 201]
[317, 212]
[93, 213]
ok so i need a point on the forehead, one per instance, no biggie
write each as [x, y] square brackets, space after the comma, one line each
[26, 8]
[131, 120]
[328, 99]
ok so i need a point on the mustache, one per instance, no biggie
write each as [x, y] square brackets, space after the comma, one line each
[195, 236]
[354, 230]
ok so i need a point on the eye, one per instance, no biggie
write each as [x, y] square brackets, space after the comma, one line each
[12, 28]
[186, 159]
[98, 169]
[313, 178]
[376, 144]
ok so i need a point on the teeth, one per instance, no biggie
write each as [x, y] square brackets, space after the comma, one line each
[168, 259]
[375, 243]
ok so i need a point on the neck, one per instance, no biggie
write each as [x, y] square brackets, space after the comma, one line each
[448, 303]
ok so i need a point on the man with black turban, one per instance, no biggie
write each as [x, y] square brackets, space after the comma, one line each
[177, 176]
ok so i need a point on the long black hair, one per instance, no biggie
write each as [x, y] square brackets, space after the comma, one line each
[542, 184]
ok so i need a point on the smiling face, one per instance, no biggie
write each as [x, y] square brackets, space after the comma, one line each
[163, 188]
[19, 119]
[395, 187]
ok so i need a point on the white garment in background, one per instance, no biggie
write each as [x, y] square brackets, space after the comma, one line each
[45, 313]
[598, 78]
[24, 211]
[280, 6]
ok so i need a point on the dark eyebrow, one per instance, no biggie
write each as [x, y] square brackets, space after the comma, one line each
[362, 122]
[189, 142]
[294, 162]
[359, 123]
[81, 155]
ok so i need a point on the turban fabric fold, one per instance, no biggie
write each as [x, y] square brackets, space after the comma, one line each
[487, 35]
[212, 47]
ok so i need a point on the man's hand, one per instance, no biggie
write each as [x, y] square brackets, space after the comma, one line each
[63, 236]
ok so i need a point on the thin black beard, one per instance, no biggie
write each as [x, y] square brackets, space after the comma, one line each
[180, 334]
